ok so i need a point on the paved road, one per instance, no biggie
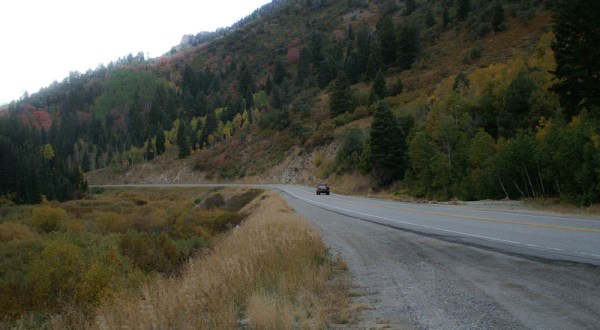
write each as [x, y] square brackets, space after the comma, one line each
[528, 233]
[422, 266]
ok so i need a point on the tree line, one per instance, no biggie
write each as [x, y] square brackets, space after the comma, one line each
[131, 112]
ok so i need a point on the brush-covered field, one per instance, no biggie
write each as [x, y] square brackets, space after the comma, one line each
[167, 258]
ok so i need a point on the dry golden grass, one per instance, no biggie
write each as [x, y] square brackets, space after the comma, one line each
[272, 272]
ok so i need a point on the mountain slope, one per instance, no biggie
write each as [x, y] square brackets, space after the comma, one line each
[288, 96]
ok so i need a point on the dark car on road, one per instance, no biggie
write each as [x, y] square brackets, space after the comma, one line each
[323, 189]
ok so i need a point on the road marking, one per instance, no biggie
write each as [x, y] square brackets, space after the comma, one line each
[404, 222]
[513, 222]
[595, 256]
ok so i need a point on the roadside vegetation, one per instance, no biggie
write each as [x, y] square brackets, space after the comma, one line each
[128, 254]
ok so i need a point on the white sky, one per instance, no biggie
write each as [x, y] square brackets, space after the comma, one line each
[41, 41]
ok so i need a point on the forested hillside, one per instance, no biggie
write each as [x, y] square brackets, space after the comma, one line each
[440, 99]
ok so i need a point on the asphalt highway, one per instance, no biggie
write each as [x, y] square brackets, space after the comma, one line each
[528, 233]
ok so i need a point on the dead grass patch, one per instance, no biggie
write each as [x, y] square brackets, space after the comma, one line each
[272, 272]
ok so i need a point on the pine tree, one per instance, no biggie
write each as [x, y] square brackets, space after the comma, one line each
[409, 45]
[363, 49]
[498, 17]
[375, 62]
[246, 85]
[411, 6]
[316, 49]
[577, 30]
[429, 18]
[279, 73]
[183, 142]
[85, 162]
[445, 17]
[387, 39]
[149, 154]
[303, 68]
[464, 7]
[379, 87]
[341, 96]
[388, 146]
[160, 142]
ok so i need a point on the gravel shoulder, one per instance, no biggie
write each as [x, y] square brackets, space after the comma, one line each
[411, 281]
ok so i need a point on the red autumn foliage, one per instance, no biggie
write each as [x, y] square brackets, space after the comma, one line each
[293, 54]
[39, 118]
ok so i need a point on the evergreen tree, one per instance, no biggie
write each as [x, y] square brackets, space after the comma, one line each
[327, 72]
[379, 89]
[200, 105]
[85, 162]
[341, 96]
[409, 45]
[303, 68]
[279, 72]
[155, 114]
[189, 80]
[160, 142]
[388, 146]
[209, 127]
[387, 39]
[517, 105]
[461, 83]
[375, 62]
[149, 153]
[316, 49]
[188, 103]
[351, 68]
[246, 85]
[429, 18]
[363, 49]
[464, 7]
[577, 30]
[410, 7]
[498, 17]
[183, 142]
[420, 152]
[445, 17]
[276, 98]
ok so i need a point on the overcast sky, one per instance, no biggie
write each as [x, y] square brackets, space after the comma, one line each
[43, 40]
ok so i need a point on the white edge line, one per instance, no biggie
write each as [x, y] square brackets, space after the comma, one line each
[435, 228]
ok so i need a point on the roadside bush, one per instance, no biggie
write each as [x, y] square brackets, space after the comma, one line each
[134, 197]
[48, 218]
[14, 231]
[55, 274]
[109, 222]
[16, 259]
[223, 221]
[150, 252]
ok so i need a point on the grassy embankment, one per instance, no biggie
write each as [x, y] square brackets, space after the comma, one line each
[271, 271]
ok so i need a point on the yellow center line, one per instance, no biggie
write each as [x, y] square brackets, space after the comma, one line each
[539, 225]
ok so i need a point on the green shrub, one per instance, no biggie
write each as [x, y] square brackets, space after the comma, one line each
[48, 218]
[14, 231]
[16, 258]
[150, 252]
[55, 274]
[223, 221]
